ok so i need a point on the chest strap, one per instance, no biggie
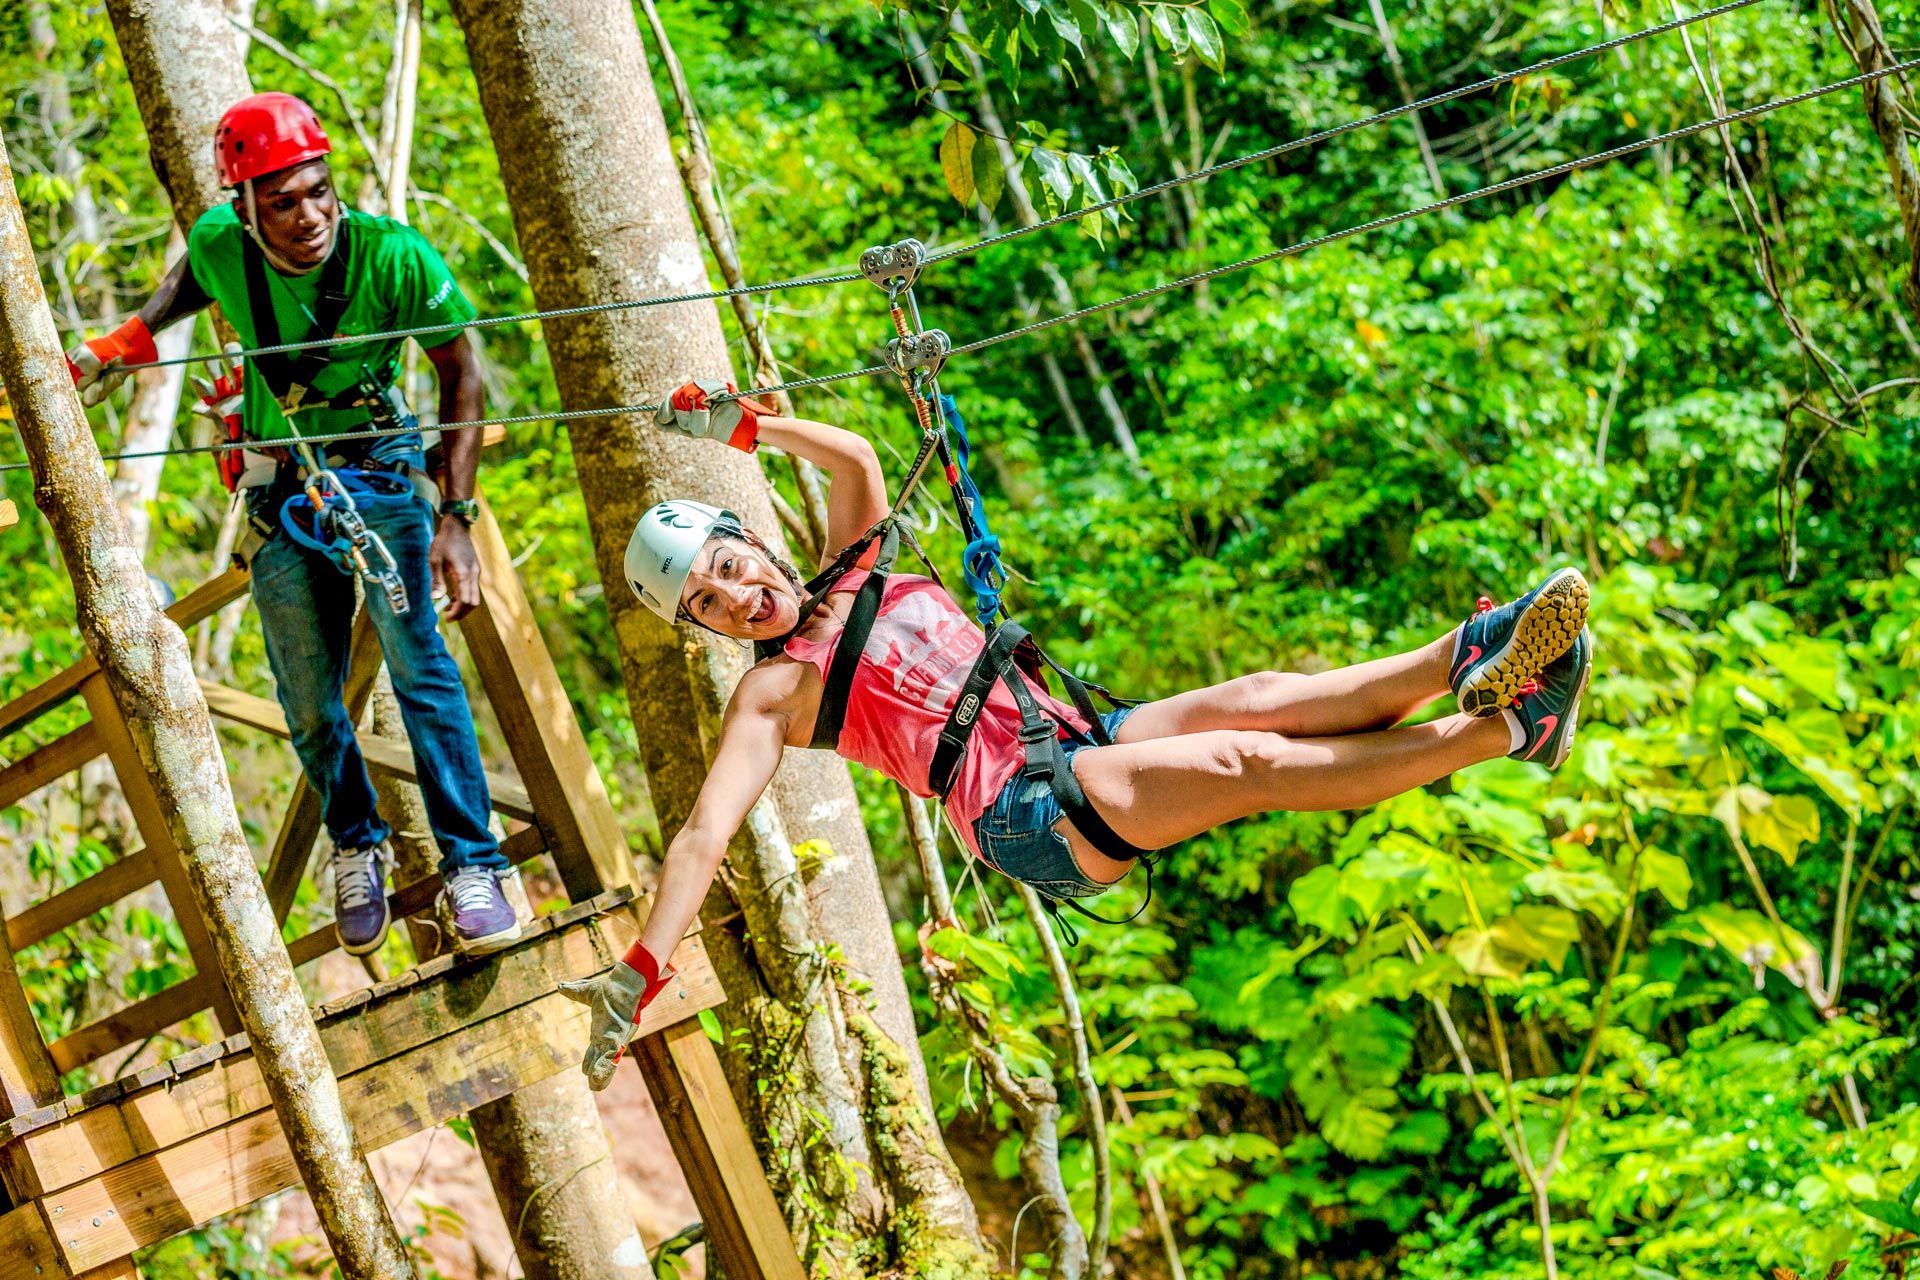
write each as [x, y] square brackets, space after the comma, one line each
[289, 374]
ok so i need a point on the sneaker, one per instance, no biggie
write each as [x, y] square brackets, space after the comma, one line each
[1548, 707]
[483, 919]
[360, 914]
[1500, 647]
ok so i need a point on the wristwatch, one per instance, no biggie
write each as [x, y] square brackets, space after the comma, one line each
[465, 510]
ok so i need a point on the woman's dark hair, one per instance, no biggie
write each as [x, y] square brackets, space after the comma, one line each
[732, 529]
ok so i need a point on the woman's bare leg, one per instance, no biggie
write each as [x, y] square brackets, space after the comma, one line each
[1160, 792]
[1368, 695]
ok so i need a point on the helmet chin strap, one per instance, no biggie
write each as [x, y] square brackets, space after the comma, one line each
[279, 263]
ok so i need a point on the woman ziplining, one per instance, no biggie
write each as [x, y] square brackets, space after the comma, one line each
[1040, 790]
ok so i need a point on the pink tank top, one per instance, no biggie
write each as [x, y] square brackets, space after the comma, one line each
[917, 657]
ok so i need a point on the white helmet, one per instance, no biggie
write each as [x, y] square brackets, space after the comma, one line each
[660, 553]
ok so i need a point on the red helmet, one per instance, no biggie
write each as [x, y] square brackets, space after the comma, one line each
[264, 134]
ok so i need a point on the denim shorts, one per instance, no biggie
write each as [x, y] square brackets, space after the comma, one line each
[1016, 834]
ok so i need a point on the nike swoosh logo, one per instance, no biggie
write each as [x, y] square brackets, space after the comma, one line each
[1473, 656]
[1545, 728]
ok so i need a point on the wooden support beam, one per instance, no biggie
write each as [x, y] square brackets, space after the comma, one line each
[745, 1230]
[383, 755]
[203, 601]
[170, 868]
[28, 1078]
[9, 514]
[73, 904]
[48, 764]
[293, 846]
[137, 1021]
[542, 733]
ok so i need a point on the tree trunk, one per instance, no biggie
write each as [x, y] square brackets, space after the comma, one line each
[544, 1147]
[143, 657]
[598, 207]
[149, 425]
[187, 65]
[1859, 25]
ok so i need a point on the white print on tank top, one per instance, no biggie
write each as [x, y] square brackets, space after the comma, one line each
[928, 651]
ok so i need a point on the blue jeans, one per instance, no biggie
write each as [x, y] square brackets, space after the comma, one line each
[1017, 838]
[306, 615]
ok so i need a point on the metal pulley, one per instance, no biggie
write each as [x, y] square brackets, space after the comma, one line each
[894, 266]
[924, 352]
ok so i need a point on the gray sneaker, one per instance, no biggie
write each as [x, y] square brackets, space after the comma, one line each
[483, 919]
[360, 914]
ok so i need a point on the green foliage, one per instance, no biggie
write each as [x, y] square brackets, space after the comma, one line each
[1337, 454]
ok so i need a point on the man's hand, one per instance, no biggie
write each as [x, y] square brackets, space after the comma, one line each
[456, 567]
[616, 999]
[95, 364]
[700, 409]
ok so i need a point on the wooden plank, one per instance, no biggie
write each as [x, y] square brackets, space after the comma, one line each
[383, 755]
[48, 764]
[27, 1249]
[536, 718]
[76, 902]
[10, 514]
[293, 847]
[135, 1022]
[106, 1217]
[405, 1019]
[203, 601]
[169, 866]
[745, 1230]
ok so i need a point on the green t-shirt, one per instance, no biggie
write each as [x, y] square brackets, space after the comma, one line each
[395, 280]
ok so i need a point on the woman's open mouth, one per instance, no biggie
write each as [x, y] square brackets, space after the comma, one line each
[763, 612]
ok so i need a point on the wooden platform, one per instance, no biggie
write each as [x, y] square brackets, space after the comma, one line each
[168, 1149]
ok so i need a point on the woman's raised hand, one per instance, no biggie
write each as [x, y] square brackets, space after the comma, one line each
[710, 409]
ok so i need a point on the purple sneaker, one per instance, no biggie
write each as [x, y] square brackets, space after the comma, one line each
[360, 914]
[483, 919]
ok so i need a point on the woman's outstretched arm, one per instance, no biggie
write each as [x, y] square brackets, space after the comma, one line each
[752, 740]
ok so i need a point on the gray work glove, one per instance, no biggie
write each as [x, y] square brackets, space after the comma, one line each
[617, 998]
[697, 409]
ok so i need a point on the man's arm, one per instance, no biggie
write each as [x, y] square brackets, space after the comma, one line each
[100, 364]
[462, 399]
[178, 296]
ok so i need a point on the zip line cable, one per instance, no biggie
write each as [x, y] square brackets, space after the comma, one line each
[965, 250]
[1292, 250]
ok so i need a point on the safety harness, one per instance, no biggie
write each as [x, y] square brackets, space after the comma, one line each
[330, 501]
[1011, 657]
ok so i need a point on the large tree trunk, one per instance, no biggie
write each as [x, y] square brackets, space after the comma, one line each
[143, 657]
[597, 203]
[544, 1147]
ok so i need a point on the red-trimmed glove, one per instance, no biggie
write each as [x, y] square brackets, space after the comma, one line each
[219, 403]
[689, 411]
[617, 999]
[95, 364]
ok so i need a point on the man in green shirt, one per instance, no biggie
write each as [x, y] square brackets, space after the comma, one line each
[287, 262]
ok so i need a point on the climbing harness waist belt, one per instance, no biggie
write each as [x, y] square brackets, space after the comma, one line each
[1011, 654]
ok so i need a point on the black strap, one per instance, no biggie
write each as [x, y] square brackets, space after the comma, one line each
[853, 643]
[289, 374]
[1072, 935]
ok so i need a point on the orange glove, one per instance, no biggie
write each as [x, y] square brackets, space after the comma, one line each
[220, 402]
[95, 364]
[689, 411]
